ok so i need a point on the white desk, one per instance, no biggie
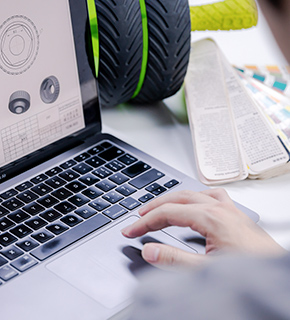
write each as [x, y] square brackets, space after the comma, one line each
[160, 131]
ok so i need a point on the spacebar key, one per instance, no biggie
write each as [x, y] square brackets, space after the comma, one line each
[69, 237]
[146, 178]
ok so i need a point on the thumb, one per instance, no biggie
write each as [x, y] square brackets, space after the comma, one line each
[166, 257]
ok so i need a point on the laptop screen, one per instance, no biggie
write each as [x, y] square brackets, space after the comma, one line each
[48, 94]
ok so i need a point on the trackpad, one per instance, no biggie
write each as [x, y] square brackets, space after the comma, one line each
[106, 267]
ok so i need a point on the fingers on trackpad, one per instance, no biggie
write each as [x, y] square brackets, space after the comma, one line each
[106, 266]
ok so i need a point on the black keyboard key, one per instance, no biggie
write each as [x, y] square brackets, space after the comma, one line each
[70, 237]
[152, 187]
[78, 200]
[24, 186]
[146, 197]
[115, 166]
[57, 228]
[41, 189]
[6, 224]
[106, 145]
[27, 244]
[12, 253]
[2, 261]
[111, 153]
[85, 212]
[118, 178]
[12, 204]
[8, 194]
[95, 162]
[48, 201]
[136, 169]
[92, 193]
[33, 208]
[55, 182]
[82, 157]
[21, 231]
[24, 263]
[130, 203]
[171, 183]
[64, 207]
[95, 150]
[126, 190]
[39, 178]
[102, 172]
[52, 172]
[115, 212]
[3, 211]
[158, 191]
[50, 215]
[36, 223]
[62, 194]
[68, 164]
[127, 159]
[99, 204]
[146, 178]
[69, 175]
[7, 273]
[75, 186]
[18, 216]
[6, 239]
[43, 236]
[71, 220]
[27, 196]
[89, 179]
[113, 197]
[82, 168]
[105, 185]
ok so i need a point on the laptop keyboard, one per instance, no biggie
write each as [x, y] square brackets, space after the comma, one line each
[42, 216]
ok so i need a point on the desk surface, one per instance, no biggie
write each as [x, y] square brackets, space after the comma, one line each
[161, 131]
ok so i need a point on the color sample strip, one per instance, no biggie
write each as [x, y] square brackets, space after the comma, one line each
[271, 76]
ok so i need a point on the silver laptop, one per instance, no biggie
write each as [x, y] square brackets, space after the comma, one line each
[67, 189]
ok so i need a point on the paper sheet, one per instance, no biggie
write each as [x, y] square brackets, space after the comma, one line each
[216, 144]
[231, 135]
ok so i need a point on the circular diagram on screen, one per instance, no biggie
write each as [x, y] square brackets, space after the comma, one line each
[49, 89]
[19, 43]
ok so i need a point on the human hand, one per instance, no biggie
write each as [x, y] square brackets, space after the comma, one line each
[211, 213]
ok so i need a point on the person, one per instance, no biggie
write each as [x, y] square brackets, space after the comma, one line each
[244, 273]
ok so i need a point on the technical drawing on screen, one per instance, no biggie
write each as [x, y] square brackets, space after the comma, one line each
[40, 95]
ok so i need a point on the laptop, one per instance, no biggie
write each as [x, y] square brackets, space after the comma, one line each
[67, 189]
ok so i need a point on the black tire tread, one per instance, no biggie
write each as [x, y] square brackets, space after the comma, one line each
[169, 47]
[121, 45]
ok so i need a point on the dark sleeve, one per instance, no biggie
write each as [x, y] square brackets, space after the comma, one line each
[236, 288]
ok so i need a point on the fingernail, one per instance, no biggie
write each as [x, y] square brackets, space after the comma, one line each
[150, 252]
[126, 231]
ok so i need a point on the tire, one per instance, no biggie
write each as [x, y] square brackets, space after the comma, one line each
[169, 48]
[225, 15]
[121, 45]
